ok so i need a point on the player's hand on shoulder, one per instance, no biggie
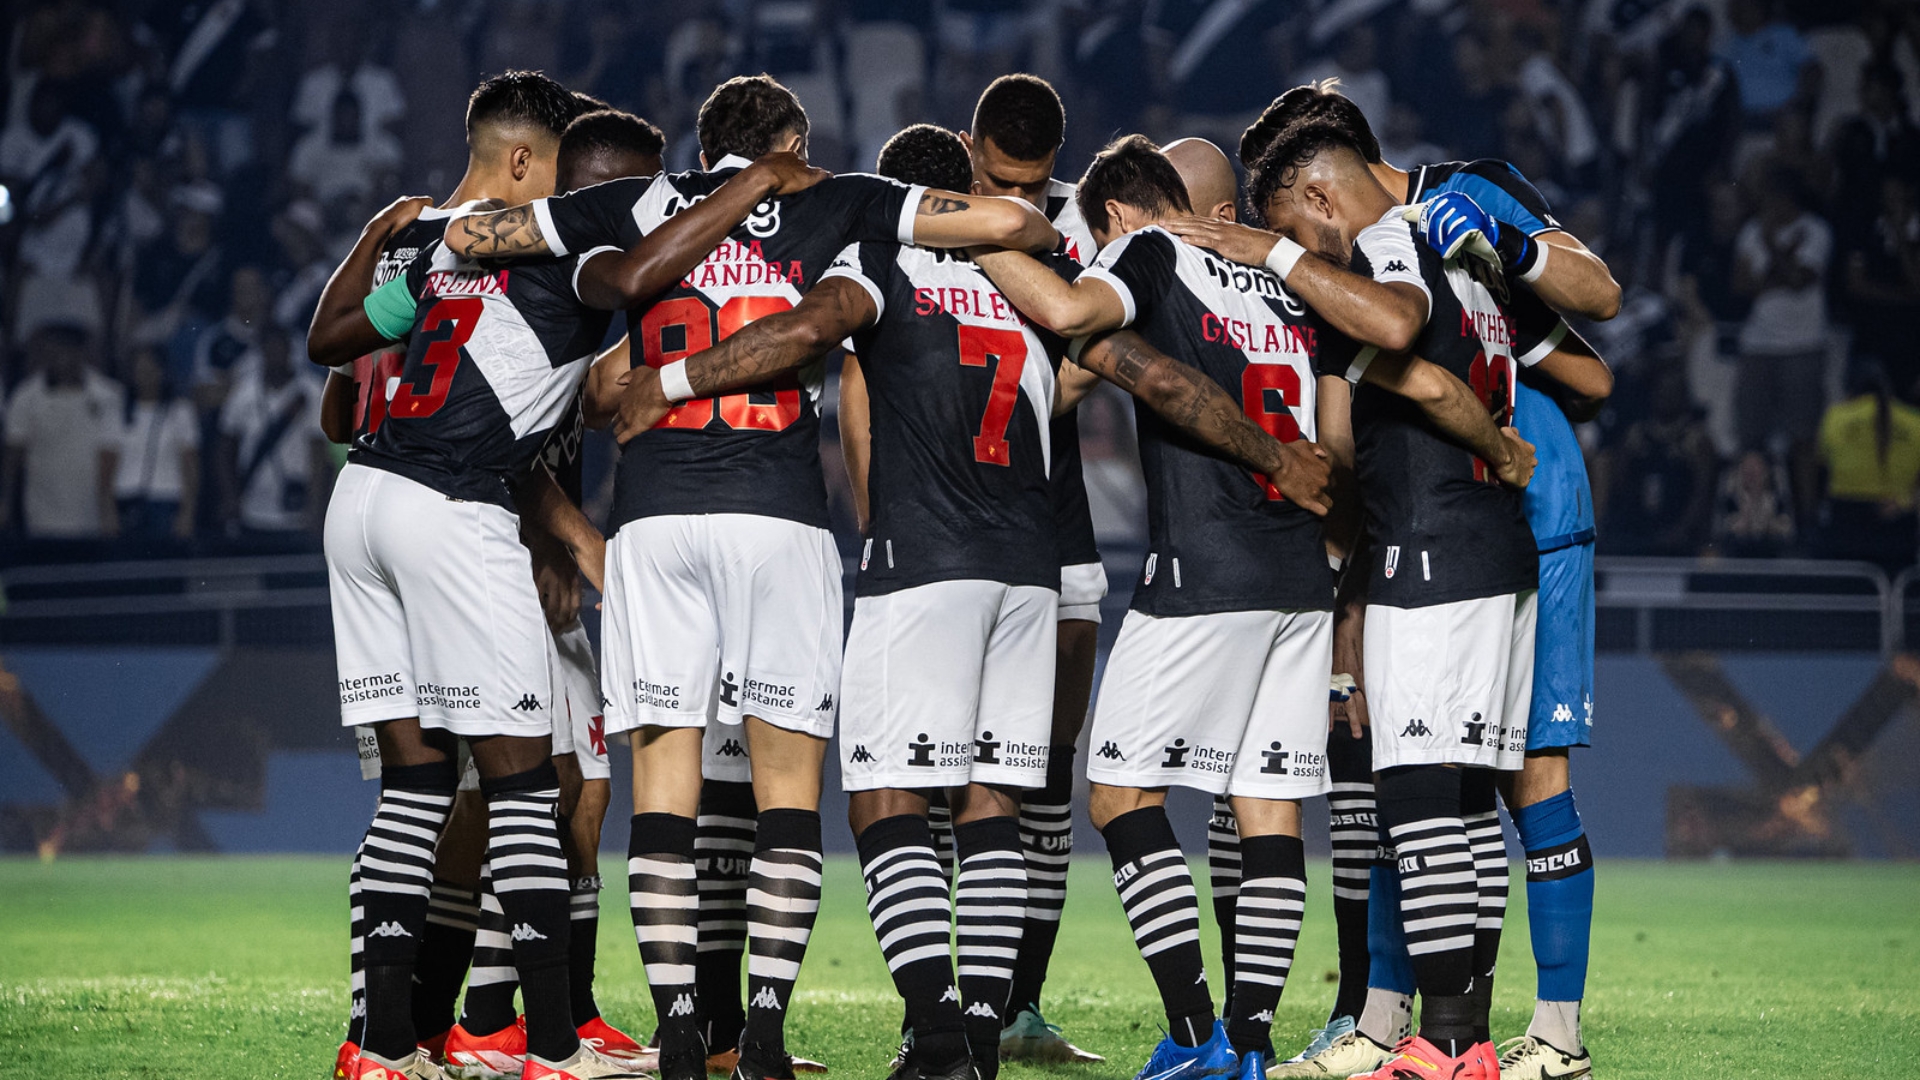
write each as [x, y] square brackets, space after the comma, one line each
[401, 213]
[1230, 240]
[642, 403]
[1517, 471]
[1451, 223]
[1304, 476]
[788, 172]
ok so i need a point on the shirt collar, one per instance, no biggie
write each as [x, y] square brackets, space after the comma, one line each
[731, 161]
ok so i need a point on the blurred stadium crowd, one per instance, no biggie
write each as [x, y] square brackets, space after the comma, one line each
[182, 175]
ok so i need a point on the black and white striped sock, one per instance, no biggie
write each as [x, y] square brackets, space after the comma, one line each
[530, 879]
[491, 984]
[396, 879]
[356, 958]
[1356, 841]
[1273, 899]
[666, 915]
[723, 843]
[783, 899]
[1480, 813]
[1046, 836]
[909, 902]
[583, 943]
[990, 907]
[940, 823]
[446, 950]
[1223, 882]
[1157, 892]
[1439, 894]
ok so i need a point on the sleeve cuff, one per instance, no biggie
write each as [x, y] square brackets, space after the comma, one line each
[345, 370]
[674, 383]
[581, 264]
[1547, 345]
[903, 230]
[879, 301]
[543, 216]
[1361, 360]
[1105, 276]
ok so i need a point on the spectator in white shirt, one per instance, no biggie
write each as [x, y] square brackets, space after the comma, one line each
[158, 479]
[343, 159]
[274, 460]
[63, 427]
[1780, 261]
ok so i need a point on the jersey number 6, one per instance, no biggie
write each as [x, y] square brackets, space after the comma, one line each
[1282, 381]
[699, 330]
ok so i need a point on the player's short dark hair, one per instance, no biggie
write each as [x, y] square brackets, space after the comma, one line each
[521, 98]
[584, 103]
[610, 131]
[747, 115]
[1296, 148]
[1131, 170]
[926, 154]
[1318, 102]
[1023, 116]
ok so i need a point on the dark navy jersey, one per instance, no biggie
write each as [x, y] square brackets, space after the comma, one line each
[1559, 501]
[1072, 516]
[961, 389]
[1220, 536]
[495, 357]
[375, 373]
[565, 447]
[1443, 528]
[756, 451]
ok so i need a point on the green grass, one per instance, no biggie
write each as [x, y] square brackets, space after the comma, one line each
[217, 968]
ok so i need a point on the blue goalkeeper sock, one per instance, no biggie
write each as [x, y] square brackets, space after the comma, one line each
[1559, 914]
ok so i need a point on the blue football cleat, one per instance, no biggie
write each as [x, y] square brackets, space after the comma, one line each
[1171, 1061]
[1253, 1066]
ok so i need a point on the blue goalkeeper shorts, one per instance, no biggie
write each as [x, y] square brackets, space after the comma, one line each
[1563, 651]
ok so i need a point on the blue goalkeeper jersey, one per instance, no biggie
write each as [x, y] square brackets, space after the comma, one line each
[1559, 501]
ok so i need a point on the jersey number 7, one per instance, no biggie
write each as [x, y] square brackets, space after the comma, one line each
[687, 318]
[978, 346]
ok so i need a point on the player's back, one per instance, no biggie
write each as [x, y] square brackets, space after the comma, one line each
[755, 451]
[374, 372]
[961, 389]
[495, 359]
[1222, 537]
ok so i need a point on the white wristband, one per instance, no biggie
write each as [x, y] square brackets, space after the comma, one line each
[345, 369]
[673, 381]
[1539, 262]
[1284, 254]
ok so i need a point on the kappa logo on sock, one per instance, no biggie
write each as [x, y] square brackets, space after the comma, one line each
[682, 1006]
[731, 748]
[1110, 750]
[526, 932]
[981, 1008]
[390, 928]
[1264, 1016]
[766, 999]
[952, 994]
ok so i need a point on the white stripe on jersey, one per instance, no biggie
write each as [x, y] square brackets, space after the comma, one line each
[530, 388]
[1081, 246]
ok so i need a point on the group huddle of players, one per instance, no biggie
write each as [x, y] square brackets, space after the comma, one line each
[1341, 410]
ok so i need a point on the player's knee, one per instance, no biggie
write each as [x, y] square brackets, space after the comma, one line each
[1106, 802]
[1266, 817]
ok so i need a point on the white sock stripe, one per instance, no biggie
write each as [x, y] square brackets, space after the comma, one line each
[900, 959]
[1161, 945]
[769, 967]
[491, 976]
[1427, 948]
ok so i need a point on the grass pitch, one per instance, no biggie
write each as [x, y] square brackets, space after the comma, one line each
[236, 968]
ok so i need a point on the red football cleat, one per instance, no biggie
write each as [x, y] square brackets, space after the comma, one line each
[1417, 1059]
[499, 1056]
[343, 1061]
[436, 1047]
[414, 1066]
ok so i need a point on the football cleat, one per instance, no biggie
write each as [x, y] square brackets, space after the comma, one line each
[721, 1062]
[499, 1056]
[1417, 1059]
[343, 1061]
[1323, 1038]
[1253, 1066]
[760, 1063]
[436, 1047]
[1031, 1038]
[585, 1064]
[685, 1063]
[1528, 1058]
[1171, 1061]
[907, 1068]
[611, 1042]
[415, 1066]
[1352, 1054]
[808, 1065]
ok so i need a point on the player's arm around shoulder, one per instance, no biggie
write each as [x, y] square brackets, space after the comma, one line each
[1580, 379]
[1089, 304]
[1333, 423]
[949, 219]
[342, 329]
[1453, 409]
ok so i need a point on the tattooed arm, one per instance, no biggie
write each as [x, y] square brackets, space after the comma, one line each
[1196, 405]
[1452, 408]
[1070, 309]
[764, 348]
[340, 330]
[948, 219]
[513, 233]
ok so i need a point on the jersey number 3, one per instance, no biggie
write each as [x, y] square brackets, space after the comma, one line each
[697, 330]
[457, 315]
[980, 346]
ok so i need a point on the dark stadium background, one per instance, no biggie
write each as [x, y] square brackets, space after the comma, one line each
[182, 175]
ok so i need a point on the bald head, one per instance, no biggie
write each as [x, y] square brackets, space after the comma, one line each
[1211, 186]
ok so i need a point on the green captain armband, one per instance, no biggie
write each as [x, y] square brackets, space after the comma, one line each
[390, 309]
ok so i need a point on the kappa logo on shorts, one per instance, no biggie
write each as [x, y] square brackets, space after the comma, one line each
[731, 748]
[527, 703]
[920, 753]
[987, 749]
[729, 691]
[1110, 751]
[1476, 732]
[860, 755]
[1176, 755]
[826, 704]
[1416, 729]
[1276, 760]
[1562, 714]
[1393, 559]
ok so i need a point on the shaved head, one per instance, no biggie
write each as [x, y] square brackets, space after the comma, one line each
[1204, 168]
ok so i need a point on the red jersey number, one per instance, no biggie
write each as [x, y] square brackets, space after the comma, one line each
[690, 325]
[1006, 351]
[457, 316]
[1491, 378]
[1269, 393]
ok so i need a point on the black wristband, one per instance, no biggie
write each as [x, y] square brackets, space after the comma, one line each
[1516, 249]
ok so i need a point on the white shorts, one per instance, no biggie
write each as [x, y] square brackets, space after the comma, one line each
[434, 610]
[1451, 684]
[1233, 702]
[1082, 587]
[579, 722]
[946, 684]
[719, 617]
